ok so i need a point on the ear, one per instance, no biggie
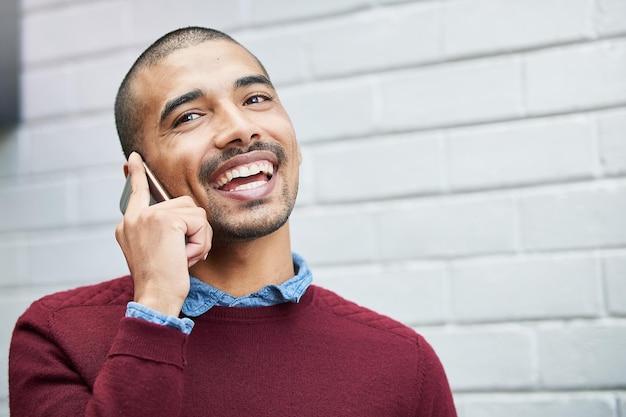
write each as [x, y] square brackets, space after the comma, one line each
[126, 169]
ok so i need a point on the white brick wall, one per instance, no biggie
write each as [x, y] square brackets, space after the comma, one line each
[615, 270]
[543, 406]
[574, 78]
[488, 26]
[612, 144]
[464, 172]
[457, 93]
[526, 289]
[517, 153]
[583, 356]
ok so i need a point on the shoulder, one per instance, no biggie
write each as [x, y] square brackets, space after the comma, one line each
[116, 292]
[357, 316]
[412, 355]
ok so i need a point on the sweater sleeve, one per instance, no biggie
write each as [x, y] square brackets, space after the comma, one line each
[435, 396]
[142, 374]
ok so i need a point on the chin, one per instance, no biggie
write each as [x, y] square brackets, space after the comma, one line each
[248, 232]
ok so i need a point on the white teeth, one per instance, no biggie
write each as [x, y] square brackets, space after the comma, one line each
[250, 185]
[245, 171]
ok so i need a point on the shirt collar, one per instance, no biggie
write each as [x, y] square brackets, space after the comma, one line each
[202, 296]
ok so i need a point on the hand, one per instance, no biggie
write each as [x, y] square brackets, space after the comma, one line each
[153, 241]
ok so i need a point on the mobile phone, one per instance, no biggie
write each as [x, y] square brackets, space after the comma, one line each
[157, 192]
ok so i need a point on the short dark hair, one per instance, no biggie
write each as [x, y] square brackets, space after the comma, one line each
[127, 105]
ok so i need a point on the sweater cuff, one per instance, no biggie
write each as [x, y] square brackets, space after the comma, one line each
[149, 341]
[140, 311]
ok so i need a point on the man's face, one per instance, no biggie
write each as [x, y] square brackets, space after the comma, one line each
[215, 130]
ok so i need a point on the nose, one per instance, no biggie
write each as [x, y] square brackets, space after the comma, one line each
[234, 127]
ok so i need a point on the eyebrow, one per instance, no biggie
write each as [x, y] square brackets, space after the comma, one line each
[172, 104]
[253, 79]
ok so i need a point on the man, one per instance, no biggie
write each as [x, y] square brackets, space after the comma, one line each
[245, 335]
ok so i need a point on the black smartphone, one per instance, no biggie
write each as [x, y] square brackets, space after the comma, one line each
[157, 192]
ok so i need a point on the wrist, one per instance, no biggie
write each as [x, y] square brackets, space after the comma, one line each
[170, 306]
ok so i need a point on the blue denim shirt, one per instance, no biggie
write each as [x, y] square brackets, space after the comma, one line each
[202, 297]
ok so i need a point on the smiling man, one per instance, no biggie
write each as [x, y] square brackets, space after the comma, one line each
[218, 317]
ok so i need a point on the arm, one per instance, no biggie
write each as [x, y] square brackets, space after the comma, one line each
[142, 374]
[435, 398]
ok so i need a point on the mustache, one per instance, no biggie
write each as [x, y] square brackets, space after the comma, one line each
[209, 166]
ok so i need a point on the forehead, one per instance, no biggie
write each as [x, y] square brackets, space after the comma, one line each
[208, 65]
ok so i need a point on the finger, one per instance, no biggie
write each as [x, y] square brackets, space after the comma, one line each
[199, 234]
[139, 190]
[197, 252]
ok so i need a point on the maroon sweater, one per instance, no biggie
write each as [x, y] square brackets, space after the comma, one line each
[75, 354]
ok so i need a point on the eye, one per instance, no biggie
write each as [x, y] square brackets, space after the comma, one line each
[187, 117]
[257, 99]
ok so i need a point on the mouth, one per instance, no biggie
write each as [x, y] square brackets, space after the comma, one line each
[246, 175]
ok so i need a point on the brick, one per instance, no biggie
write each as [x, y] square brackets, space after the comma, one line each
[488, 26]
[615, 276]
[81, 143]
[361, 42]
[543, 406]
[277, 10]
[451, 94]
[81, 258]
[459, 227]
[476, 359]
[109, 73]
[521, 153]
[52, 34]
[10, 152]
[29, 207]
[525, 289]
[582, 356]
[327, 237]
[45, 93]
[28, 5]
[331, 109]
[412, 294]
[151, 19]
[612, 134]
[283, 52]
[622, 405]
[577, 77]
[379, 167]
[98, 199]
[609, 17]
[12, 259]
[393, 1]
[70, 89]
[4, 383]
[570, 219]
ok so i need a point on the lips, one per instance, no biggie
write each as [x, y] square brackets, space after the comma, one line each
[245, 172]
[245, 177]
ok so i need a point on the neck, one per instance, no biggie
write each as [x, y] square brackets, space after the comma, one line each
[241, 268]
